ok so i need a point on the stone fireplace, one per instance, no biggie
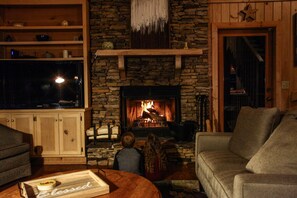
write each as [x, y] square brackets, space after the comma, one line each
[149, 109]
[110, 21]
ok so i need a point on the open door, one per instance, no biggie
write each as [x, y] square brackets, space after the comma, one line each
[245, 72]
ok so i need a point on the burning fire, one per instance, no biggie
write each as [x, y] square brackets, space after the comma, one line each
[147, 105]
[150, 113]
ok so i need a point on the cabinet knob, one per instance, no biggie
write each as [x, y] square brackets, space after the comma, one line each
[7, 120]
[66, 132]
[72, 140]
[12, 120]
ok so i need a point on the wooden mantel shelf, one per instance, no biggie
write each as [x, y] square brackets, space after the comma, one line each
[121, 53]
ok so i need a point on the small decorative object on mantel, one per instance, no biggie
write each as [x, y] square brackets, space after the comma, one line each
[186, 45]
[107, 45]
[248, 13]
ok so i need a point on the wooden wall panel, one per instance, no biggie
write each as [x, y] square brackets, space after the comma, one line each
[287, 62]
[293, 74]
[277, 11]
[260, 11]
[226, 8]
[217, 13]
[233, 16]
[268, 9]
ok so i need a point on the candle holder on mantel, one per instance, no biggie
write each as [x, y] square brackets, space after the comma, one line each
[107, 45]
[186, 45]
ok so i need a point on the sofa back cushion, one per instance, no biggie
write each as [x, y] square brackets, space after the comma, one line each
[252, 129]
[278, 154]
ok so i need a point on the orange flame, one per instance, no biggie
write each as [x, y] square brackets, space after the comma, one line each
[147, 105]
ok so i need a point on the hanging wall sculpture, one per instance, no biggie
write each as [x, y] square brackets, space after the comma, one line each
[149, 23]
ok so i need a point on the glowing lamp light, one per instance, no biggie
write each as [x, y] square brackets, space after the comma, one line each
[59, 80]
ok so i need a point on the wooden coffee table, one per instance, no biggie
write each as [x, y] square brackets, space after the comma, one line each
[121, 184]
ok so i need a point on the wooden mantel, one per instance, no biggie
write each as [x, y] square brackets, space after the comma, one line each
[121, 53]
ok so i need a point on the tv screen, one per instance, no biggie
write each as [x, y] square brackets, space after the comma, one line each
[41, 84]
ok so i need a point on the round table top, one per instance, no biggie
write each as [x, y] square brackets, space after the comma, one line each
[121, 184]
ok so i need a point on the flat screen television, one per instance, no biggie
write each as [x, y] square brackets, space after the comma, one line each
[30, 84]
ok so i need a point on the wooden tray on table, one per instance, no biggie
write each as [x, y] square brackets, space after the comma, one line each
[77, 184]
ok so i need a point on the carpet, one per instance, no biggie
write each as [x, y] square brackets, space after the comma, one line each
[179, 189]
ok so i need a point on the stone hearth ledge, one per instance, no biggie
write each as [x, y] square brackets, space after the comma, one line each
[177, 152]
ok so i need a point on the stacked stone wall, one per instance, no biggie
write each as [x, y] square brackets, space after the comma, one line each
[110, 21]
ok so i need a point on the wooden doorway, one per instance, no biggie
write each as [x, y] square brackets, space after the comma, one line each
[245, 71]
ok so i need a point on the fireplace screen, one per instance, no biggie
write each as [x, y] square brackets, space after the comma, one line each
[149, 108]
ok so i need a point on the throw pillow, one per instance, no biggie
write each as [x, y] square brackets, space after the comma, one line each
[278, 154]
[252, 129]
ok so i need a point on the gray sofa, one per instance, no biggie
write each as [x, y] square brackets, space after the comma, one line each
[259, 159]
[14, 154]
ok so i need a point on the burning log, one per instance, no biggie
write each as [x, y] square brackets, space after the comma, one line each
[151, 110]
[152, 116]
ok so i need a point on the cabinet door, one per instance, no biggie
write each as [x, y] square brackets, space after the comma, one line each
[47, 133]
[23, 122]
[5, 119]
[70, 134]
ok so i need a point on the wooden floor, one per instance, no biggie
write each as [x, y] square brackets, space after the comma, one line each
[175, 171]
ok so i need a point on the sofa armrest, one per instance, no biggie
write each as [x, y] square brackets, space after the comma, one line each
[207, 141]
[10, 136]
[264, 185]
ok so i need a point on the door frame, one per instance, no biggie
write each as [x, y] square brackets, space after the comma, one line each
[216, 119]
[269, 67]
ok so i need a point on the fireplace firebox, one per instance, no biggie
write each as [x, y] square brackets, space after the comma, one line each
[149, 109]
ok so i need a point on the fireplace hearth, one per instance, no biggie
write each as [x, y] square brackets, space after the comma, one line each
[149, 109]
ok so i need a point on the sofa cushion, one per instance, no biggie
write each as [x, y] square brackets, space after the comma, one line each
[218, 169]
[13, 149]
[278, 154]
[224, 181]
[15, 173]
[253, 127]
[15, 162]
[222, 160]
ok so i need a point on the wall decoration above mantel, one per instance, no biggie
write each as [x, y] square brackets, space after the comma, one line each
[248, 13]
[149, 24]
